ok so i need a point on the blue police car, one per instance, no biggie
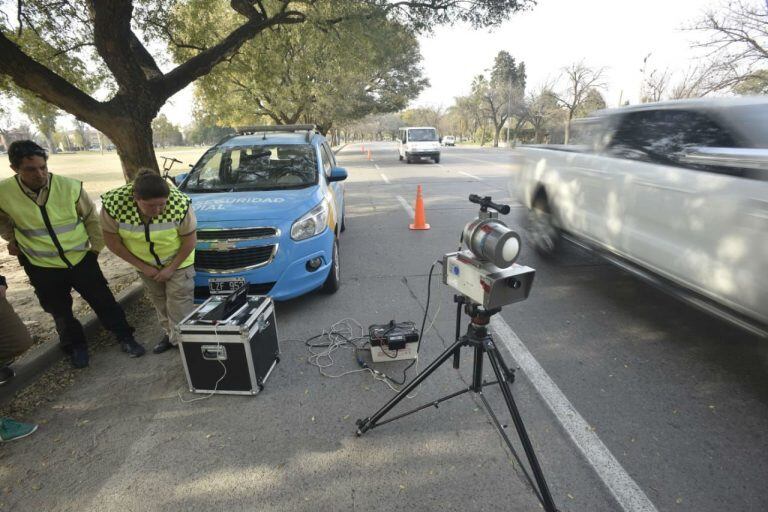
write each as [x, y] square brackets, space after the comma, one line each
[270, 208]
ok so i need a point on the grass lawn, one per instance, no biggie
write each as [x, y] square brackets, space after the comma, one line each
[100, 173]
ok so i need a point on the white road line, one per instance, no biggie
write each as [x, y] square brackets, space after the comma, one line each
[408, 209]
[492, 162]
[626, 491]
[376, 166]
[384, 177]
[470, 175]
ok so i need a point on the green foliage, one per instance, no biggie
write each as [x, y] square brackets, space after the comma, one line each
[593, 100]
[422, 116]
[205, 131]
[165, 133]
[311, 72]
[755, 83]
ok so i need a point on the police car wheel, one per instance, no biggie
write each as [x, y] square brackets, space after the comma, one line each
[333, 281]
[343, 221]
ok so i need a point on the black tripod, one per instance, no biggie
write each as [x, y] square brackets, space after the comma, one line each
[477, 336]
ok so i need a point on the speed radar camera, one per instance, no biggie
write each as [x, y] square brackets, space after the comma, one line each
[485, 270]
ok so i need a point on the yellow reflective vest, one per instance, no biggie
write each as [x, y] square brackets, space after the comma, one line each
[52, 235]
[156, 242]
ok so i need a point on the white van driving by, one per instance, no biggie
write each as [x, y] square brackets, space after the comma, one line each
[418, 142]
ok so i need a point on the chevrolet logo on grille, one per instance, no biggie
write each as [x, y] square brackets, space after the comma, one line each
[223, 245]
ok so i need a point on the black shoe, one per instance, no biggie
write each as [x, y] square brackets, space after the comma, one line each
[133, 348]
[165, 344]
[6, 374]
[79, 357]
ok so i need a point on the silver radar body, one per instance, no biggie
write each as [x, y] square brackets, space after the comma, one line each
[485, 271]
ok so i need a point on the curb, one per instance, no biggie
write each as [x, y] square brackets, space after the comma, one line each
[42, 357]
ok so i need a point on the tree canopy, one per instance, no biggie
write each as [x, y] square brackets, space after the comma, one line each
[362, 65]
[116, 39]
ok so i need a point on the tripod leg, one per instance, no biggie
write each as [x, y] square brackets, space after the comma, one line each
[500, 369]
[363, 425]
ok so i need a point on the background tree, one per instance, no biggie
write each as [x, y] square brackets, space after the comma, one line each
[754, 83]
[104, 32]
[544, 112]
[292, 74]
[496, 95]
[82, 138]
[468, 109]
[655, 82]
[42, 114]
[593, 101]
[579, 80]
[165, 133]
[737, 36]
[205, 131]
[508, 84]
[423, 116]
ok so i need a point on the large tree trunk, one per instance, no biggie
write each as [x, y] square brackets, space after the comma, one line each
[51, 145]
[133, 140]
[497, 134]
[568, 127]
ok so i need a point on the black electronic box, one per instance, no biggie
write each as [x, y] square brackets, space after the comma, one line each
[229, 344]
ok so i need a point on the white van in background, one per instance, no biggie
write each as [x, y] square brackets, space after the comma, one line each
[417, 142]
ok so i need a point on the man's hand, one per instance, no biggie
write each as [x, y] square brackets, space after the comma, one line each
[164, 275]
[13, 249]
[2, 291]
[149, 271]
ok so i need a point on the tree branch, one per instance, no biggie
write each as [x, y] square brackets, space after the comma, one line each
[29, 74]
[202, 63]
[125, 56]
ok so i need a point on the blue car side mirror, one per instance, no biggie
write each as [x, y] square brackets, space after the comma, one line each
[179, 178]
[337, 174]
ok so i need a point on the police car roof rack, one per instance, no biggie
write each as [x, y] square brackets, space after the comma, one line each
[291, 128]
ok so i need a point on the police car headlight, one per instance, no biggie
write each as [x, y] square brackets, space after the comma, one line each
[311, 223]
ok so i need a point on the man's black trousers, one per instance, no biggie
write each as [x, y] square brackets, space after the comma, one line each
[53, 287]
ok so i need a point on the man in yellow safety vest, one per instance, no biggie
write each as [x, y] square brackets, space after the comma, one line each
[51, 224]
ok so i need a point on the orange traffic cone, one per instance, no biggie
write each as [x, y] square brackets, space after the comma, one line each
[420, 218]
[369, 155]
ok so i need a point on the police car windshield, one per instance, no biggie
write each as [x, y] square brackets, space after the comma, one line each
[267, 167]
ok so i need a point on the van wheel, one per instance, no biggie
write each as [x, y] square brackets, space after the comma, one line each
[408, 160]
[547, 238]
[333, 281]
[437, 159]
[401, 157]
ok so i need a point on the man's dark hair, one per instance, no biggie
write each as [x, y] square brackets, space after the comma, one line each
[149, 185]
[21, 149]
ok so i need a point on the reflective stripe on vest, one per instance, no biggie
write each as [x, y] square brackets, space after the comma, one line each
[51, 235]
[156, 242]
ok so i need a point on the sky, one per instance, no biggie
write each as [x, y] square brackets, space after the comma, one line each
[614, 34]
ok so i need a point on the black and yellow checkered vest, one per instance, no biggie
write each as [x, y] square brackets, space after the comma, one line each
[156, 242]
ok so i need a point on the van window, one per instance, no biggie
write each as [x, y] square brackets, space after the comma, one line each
[422, 135]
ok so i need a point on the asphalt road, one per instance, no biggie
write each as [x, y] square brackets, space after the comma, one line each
[633, 401]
